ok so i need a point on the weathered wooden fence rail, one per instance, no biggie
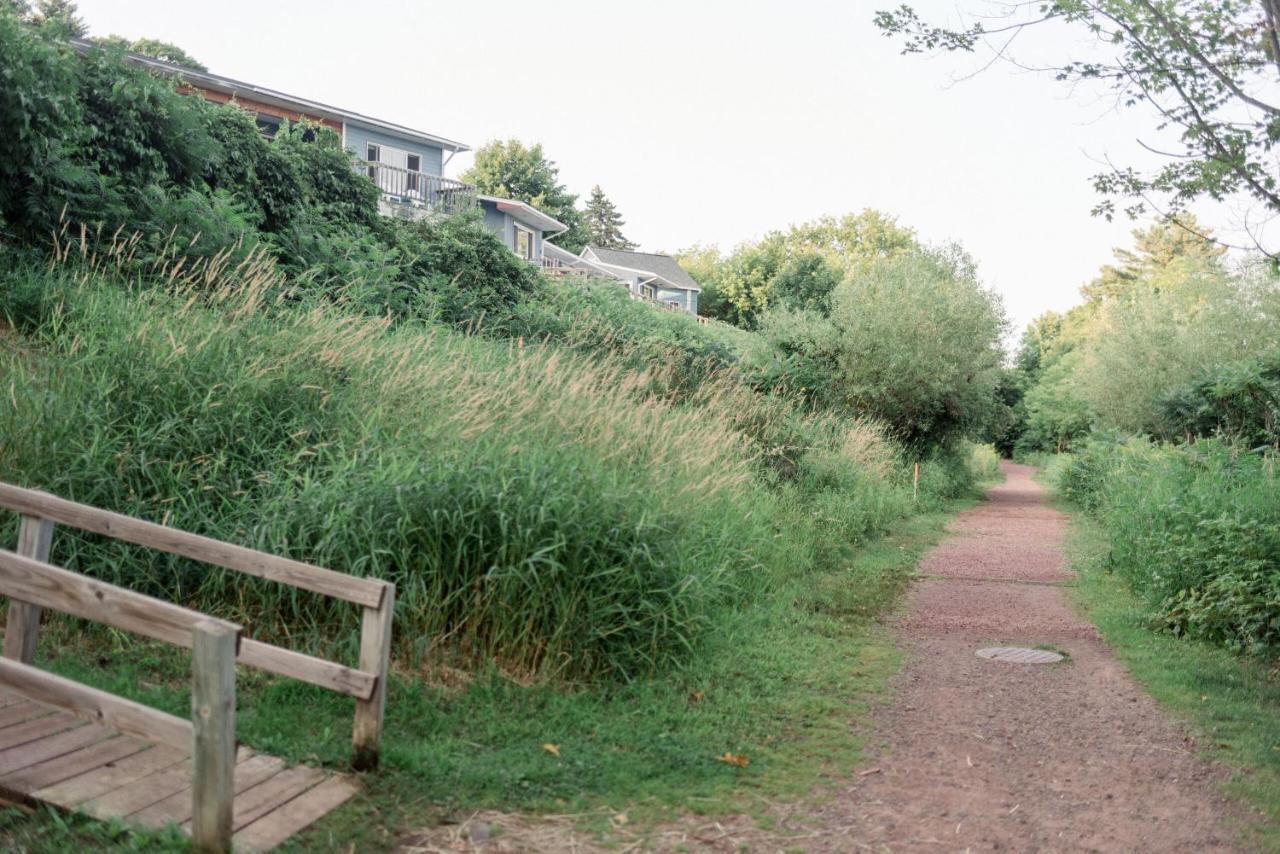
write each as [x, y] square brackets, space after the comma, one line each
[32, 584]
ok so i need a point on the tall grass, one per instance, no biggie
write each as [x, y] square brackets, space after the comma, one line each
[537, 507]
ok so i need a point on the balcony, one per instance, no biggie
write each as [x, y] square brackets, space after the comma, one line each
[413, 195]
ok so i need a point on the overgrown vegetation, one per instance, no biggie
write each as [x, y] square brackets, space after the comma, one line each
[598, 516]
[1162, 386]
[1228, 701]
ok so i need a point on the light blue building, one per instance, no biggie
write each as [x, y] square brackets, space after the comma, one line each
[522, 227]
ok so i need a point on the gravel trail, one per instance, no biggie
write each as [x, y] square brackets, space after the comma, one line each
[972, 754]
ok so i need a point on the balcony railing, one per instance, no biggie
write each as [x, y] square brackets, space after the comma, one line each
[419, 191]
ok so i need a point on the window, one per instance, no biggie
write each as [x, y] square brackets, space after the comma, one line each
[646, 291]
[413, 162]
[269, 126]
[524, 243]
[373, 153]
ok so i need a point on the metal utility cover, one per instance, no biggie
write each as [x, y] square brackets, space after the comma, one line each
[1019, 655]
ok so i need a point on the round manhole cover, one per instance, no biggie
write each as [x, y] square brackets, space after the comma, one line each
[1019, 655]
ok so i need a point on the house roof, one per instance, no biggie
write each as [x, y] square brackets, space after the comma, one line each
[526, 213]
[218, 83]
[662, 266]
[569, 259]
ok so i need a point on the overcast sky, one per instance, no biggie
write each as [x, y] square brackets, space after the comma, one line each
[707, 122]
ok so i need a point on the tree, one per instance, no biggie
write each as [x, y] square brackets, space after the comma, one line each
[801, 267]
[512, 170]
[911, 341]
[1207, 70]
[155, 49]
[62, 15]
[604, 223]
[1181, 240]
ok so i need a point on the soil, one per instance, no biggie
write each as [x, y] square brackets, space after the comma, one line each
[982, 755]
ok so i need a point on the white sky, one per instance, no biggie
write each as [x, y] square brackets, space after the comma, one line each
[706, 122]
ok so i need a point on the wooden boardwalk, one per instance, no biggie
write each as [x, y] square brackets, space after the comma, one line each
[52, 757]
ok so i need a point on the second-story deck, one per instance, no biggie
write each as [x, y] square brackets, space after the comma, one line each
[415, 194]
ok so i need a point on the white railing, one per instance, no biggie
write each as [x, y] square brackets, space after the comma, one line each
[419, 189]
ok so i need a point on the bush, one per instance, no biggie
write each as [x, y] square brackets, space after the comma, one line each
[1239, 401]
[600, 317]
[913, 342]
[1194, 530]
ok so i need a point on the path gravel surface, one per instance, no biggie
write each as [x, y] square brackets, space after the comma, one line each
[979, 755]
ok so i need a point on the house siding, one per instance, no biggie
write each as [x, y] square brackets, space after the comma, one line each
[359, 136]
[680, 296]
[503, 224]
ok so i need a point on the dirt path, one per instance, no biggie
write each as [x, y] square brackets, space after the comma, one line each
[992, 756]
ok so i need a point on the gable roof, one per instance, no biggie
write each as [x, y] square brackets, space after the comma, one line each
[662, 266]
[227, 85]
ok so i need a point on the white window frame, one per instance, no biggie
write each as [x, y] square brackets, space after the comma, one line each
[515, 240]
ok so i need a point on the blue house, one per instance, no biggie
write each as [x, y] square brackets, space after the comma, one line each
[522, 227]
[406, 164]
[649, 276]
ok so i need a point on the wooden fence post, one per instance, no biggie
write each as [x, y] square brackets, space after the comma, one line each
[375, 655]
[35, 536]
[213, 717]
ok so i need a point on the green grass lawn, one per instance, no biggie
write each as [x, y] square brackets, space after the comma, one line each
[786, 682]
[1231, 704]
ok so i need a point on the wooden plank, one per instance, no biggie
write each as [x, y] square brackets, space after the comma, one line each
[72, 764]
[213, 712]
[99, 780]
[26, 755]
[81, 596]
[23, 711]
[96, 706]
[277, 826]
[362, 591]
[257, 801]
[139, 793]
[177, 808]
[375, 656]
[36, 728]
[35, 537]
[316, 671]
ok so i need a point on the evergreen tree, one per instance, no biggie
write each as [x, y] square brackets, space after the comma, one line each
[1179, 239]
[605, 223]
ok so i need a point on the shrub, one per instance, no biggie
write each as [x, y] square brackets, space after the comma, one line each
[1194, 530]
[1239, 401]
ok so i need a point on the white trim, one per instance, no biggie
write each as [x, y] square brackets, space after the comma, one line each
[654, 275]
[515, 241]
[534, 217]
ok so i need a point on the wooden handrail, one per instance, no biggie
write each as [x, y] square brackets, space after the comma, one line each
[32, 583]
[70, 592]
[36, 583]
[362, 591]
[96, 706]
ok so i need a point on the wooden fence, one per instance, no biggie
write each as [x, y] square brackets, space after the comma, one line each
[32, 584]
